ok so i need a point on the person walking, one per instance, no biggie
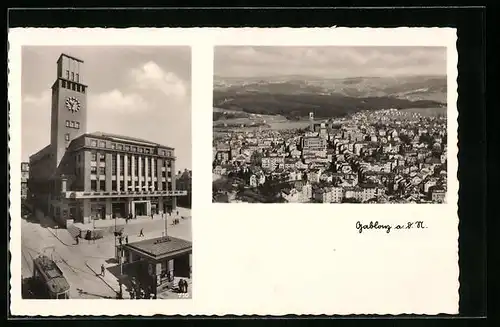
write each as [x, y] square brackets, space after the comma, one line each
[77, 240]
[141, 233]
[103, 270]
[185, 286]
[126, 239]
[151, 215]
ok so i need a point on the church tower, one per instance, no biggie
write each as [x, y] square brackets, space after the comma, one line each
[311, 121]
[69, 105]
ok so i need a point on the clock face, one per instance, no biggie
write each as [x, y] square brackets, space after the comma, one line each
[73, 104]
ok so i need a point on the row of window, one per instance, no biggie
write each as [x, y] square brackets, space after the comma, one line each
[72, 124]
[114, 186]
[93, 157]
[102, 170]
[73, 86]
[121, 147]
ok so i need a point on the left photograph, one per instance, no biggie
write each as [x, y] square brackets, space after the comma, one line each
[106, 172]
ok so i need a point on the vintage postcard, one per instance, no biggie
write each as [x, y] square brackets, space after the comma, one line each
[233, 171]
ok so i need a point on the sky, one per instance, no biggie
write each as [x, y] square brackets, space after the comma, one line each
[329, 61]
[142, 92]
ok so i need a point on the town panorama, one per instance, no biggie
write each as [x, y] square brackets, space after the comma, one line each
[303, 139]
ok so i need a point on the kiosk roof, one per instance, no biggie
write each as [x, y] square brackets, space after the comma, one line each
[160, 246]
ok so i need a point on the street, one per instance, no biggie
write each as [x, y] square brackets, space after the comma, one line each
[81, 262]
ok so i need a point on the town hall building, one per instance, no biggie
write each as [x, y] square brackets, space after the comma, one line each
[81, 176]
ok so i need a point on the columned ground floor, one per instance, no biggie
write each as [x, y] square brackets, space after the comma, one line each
[84, 210]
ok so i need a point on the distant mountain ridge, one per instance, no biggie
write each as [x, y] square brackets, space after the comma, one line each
[296, 95]
[402, 87]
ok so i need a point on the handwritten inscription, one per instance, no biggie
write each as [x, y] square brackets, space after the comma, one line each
[375, 225]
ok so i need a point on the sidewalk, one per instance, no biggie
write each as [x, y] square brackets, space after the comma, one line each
[109, 279]
[63, 235]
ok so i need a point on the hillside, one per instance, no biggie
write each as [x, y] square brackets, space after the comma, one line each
[296, 96]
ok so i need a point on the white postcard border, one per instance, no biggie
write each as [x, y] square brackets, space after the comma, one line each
[250, 258]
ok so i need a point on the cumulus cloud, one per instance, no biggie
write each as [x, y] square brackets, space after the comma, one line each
[151, 76]
[117, 101]
[40, 99]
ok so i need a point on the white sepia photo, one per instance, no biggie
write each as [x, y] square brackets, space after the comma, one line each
[106, 173]
[337, 124]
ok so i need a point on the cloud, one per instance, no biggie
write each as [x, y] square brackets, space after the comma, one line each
[117, 101]
[151, 76]
[42, 99]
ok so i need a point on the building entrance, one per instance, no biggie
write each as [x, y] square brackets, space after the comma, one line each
[98, 211]
[118, 210]
[181, 266]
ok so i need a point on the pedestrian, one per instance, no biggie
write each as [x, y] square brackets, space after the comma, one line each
[103, 270]
[120, 240]
[142, 232]
[77, 240]
[185, 286]
[151, 215]
[126, 239]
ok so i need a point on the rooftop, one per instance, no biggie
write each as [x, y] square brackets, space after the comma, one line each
[160, 246]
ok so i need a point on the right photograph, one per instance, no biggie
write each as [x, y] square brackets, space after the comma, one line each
[329, 124]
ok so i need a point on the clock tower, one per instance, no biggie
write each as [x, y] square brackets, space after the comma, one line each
[69, 105]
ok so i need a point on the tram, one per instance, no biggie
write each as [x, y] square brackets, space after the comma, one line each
[49, 279]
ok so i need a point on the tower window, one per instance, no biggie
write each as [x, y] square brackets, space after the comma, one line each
[67, 123]
[93, 156]
[67, 74]
[77, 77]
[73, 86]
[93, 143]
[72, 124]
[63, 84]
[77, 125]
[72, 76]
[102, 144]
[66, 137]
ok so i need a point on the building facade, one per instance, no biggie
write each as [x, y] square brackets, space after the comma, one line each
[81, 176]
